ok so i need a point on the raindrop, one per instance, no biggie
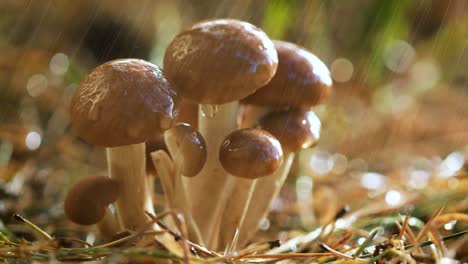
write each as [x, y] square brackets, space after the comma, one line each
[341, 224]
[59, 63]
[37, 84]
[321, 162]
[342, 70]
[304, 186]
[277, 204]
[340, 163]
[450, 225]
[372, 180]
[398, 56]
[208, 110]
[418, 179]
[455, 161]
[451, 165]
[361, 240]
[33, 140]
[413, 222]
[264, 224]
[425, 74]
[393, 197]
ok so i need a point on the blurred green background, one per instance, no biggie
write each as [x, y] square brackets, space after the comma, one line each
[387, 58]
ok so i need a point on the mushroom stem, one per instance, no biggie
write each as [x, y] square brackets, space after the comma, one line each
[108, 226]
[263, 191]
[213, 236]
[205, 190]
[165, 168]
[241, 218]
[126, 164]
[237, 201]
[266, 190]
[174, 191]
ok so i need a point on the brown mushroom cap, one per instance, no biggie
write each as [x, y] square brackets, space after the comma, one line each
[190, 145]
[220, 61]
[88, 198]
[251, 153]
[295, 129]
[302, 80]
[123, 102]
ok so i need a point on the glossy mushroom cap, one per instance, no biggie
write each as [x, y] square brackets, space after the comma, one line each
[251, 153]
[302, 80]
[188, 148]
[220, 61]
[295, 129]
[123, 102]
[88, 198]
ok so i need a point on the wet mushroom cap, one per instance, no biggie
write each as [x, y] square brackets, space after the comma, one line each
[250, 153]
[88, 198]
[191, 145]
[123, 102]
[301, 80]
[220, 61]
[295, 129]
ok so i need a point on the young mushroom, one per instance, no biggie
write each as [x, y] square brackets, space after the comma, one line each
[296, 129]
[250, 153]
[300, 82]
[215, 64]
[187, 148]
[187, 112]
[120, 105]
[87, 203]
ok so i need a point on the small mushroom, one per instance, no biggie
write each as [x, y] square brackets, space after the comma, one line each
[250, 153]
[296, 129]
[87, 203]
[301, 80]
[187, 112]
[120, 105]
[187, 148]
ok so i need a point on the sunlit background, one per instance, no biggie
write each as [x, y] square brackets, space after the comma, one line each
[395, 130]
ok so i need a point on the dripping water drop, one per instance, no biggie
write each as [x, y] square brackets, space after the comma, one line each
[209, 110]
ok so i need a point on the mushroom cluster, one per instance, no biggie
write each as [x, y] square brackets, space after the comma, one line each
[253, 97]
